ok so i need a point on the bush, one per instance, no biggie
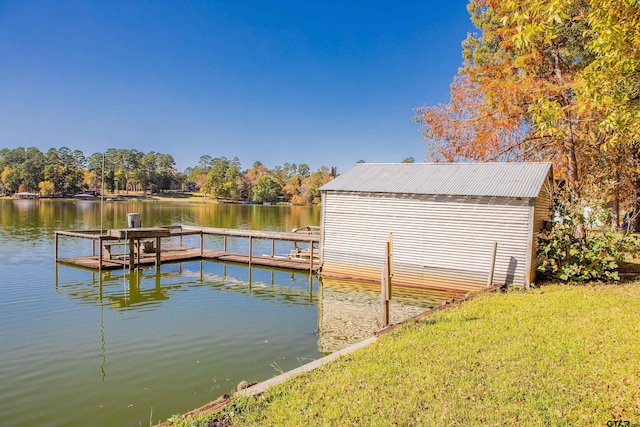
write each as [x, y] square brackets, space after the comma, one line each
[566, 255]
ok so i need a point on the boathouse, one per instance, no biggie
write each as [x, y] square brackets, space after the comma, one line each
[444, 219]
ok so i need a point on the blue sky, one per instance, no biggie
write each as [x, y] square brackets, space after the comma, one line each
[323, 83]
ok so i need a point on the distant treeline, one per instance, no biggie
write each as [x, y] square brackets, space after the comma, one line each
[63, 172]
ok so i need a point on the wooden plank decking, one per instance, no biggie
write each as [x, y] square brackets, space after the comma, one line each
[134, 238]
[179, 254]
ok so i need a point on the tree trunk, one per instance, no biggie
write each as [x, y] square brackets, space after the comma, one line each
[573, 181]
[615, 213]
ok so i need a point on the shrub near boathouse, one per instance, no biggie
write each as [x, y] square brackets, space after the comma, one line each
[568, 256]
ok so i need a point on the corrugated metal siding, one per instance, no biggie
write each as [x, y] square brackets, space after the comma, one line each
[437, 240]
[463, 179]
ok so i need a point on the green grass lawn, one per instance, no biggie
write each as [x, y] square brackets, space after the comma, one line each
[557, 355]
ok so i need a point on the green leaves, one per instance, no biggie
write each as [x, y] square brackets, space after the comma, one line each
[597, 255]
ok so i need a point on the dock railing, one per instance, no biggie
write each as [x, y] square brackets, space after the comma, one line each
[172, 240]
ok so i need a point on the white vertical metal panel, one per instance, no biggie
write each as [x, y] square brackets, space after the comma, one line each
[323, 196]
[439, 241]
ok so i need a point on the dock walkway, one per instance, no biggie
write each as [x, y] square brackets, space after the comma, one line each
[132, 237]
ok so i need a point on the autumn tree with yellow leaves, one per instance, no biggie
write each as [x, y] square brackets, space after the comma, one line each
[548, 80]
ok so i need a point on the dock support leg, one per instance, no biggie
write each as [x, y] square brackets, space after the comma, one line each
[93, 248]
[224, 244]
[158, 251]
[310, 257]
[56, 246]
[132, 254]
[100, 254]
[273, 247]
[250, 249]
[201, 243]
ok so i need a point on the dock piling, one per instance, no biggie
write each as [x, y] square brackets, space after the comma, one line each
[100, 253]
[158, 251]
[132, 254]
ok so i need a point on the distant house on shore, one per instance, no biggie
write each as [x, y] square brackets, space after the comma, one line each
[85, 196]
[26, 195]
[444, 218]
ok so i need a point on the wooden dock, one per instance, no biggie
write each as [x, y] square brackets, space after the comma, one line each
[102, 258]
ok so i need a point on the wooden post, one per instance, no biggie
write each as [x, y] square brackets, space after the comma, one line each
[391, 254]
[273, 247]
[224, 244]
[201, 243]
[493, 264]
[385, 280]
[384, 293]
[250, 250]
[389, 263]
[180, 236]
[310, 257]
[132, 253]
[93, 247]
[158, 251]
[56, 246]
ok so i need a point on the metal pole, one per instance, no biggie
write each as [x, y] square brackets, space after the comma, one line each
[102, 199]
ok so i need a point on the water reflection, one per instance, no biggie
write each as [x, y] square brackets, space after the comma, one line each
[348, 311]
[149, 287]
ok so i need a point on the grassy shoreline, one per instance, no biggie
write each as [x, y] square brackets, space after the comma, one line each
[556, 355]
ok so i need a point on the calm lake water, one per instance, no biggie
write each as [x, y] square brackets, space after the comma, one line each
[80, 348]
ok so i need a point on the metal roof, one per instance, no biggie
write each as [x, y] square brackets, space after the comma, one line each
[456, 179]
